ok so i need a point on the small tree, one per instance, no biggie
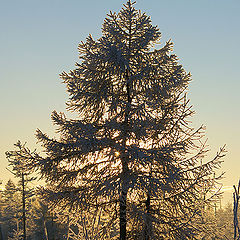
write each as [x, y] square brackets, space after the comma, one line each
[17, 162]
[132, 151]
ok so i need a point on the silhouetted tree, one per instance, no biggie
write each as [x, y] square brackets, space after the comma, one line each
[17, 162]
[131, 152]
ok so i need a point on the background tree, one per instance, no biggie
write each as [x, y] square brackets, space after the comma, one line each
[41, 220]
[11, 205]
[17, 162]
[224, 218]
[132, 151]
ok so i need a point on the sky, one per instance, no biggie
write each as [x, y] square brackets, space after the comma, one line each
[39, 40]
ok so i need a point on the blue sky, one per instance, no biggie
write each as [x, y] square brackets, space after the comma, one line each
[39, 40]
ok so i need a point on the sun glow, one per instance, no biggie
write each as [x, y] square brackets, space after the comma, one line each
[117, 154]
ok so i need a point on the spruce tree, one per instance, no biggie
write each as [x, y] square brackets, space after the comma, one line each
[131, 151]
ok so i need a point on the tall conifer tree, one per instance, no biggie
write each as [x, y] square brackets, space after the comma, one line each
[131, 149]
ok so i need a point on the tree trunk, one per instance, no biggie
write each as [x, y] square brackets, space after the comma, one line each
[1, 234]
[148, 224]
[123, 197]
[53, 229]
[123, 215]
[45, 228]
